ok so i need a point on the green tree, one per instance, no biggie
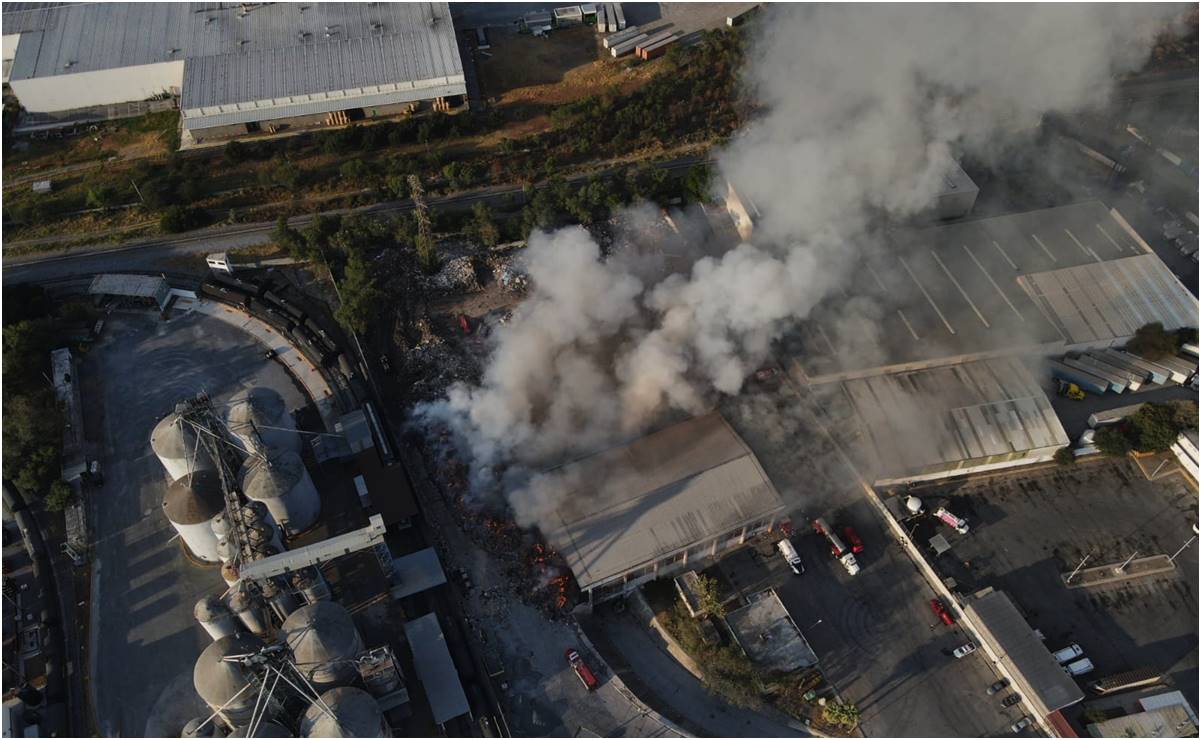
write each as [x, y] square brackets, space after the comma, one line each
[1184, 413]
[1065, 456]
[483, 225]
[235, 152]
[101, 196]
[355, 171]
[708, 596]
[1155, 427]
[838, 713]
[362, 299]
[1152, 342]
[290, 239]
[1112, 441]
[180, 218]
[60, 496]
[696, 184]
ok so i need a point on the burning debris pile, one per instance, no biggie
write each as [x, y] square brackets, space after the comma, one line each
[433, 364]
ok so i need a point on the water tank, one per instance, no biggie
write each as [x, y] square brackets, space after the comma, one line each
[311, 585]
[351, 713]
[198, 727]
[282, 601]
[259, 418]
[218, 681]
[248, 607]
[913, 504]
[265, 729]
[191, 504]
[324, 643]
[282, 483]
[176, 446]
[215, 617]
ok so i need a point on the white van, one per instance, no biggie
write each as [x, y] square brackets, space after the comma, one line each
[790, 556]
[1079, 668]
[1068, 654]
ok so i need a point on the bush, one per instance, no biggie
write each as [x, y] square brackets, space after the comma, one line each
[1112, 441]
[235, 152]
[1152, 342]
[1065, 456]
[179, 218]
[1157, 425]
[845, 715]
[60, 496]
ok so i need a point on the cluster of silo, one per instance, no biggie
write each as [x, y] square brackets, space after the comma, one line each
[259, 420]
[311, 585]
[178, 447]
[281, 481]
[344, 712]
[193, 501]
[215, 617]
[324, 643]
[249, 608]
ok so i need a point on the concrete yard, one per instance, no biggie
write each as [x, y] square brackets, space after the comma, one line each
[143, 638]
[875, 635]
[1030, 527]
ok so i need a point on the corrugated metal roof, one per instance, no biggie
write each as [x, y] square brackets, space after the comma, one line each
[629, 506]
[1015, 640]
[435, 668]
[963, 412]
[275, 51]
[1104, 301]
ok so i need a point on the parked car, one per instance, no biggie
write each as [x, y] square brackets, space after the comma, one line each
[1079, 668]
[581, 669]
[1010, 700]
[966, 648]
[997, 686]
[940, 609]
[1068, 654]
[1021, 724]
[853, 539]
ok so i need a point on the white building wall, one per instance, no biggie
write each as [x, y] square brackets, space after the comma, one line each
[101, 87]
[10, 41]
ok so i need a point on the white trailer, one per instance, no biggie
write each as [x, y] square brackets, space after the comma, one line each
[1158, 373]
[616, 11]
[616, 38]
[1116, 383]
[1134, 381]
[1112, 416]
[656, 38]
[625, 47]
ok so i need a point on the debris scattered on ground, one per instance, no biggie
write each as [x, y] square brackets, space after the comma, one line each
[457, 276]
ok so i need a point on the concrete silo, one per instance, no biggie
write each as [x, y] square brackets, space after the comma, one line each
[324, 643]
[216, 618]
[282, 483]
[259, 418]
[265, 729]
[281, 599]
[177, 447]
[311, 585]
[351, 713]
[218, 682]
[191, 504]
[249, 609]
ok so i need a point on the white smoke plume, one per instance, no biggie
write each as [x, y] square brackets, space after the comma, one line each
[865, 108]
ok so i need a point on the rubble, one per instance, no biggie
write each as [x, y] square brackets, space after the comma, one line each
[457, 276]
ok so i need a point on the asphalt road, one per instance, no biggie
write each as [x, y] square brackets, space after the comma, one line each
[160, 253]
[144, 640]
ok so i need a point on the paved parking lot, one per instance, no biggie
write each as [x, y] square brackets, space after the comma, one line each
[144, 641]
[1030, 527]
[876, 637]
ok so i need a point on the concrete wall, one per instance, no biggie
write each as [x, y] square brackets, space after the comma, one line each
[101, 87]
[10, 51]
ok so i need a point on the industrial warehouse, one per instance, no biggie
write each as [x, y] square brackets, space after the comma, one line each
[237, 68]
[673, 498]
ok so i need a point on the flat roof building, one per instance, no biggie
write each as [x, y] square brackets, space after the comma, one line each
[1011, 641]
[234, 66]
[435, 668]
[648, 508]
[768, 635]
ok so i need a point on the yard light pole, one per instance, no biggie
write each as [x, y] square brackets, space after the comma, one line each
[1083, 560]
[1182, 548]
[819, 621]
[1121, 568]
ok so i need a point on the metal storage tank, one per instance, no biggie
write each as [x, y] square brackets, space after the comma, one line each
[281, 599]
[218, 681]
[225, 549]
[260, 418]
[216, 618]
[282, 483]
[311, 585]
[229, 574]
[191, 504]
[249, 609]
[265, 729]
[176, 446]
[324, 643]
[193, 728]
[220, 525]
[352, 713]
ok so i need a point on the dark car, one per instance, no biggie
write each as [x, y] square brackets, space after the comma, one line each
[997, 686]
[1010, 700]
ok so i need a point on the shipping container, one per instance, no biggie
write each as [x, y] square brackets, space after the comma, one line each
[1119, 359]
[1156, 373]
[1117, 383]
[1134, 381]
[654, 39]
[569, 15]
[657, 49]
[1183, 370]
[1112, 416]
[602, 18]
[1085, 380]
[614, 39]
[1189, 349]
[616, 11]
[625, 47]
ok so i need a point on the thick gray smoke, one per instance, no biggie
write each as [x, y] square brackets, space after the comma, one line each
[865, 109]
